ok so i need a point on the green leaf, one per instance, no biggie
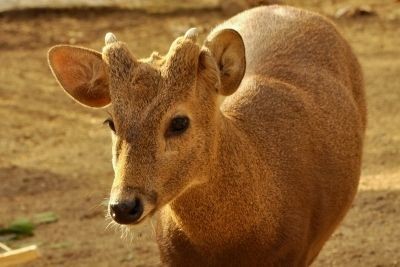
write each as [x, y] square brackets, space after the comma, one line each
[45, 217]
[19, 227]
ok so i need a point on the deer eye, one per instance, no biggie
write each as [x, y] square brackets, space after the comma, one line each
[177, 126]
[110, 123]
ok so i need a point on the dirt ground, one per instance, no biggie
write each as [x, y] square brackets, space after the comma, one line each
[55, 155]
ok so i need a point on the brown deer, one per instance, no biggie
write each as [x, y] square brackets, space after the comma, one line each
[248, 146]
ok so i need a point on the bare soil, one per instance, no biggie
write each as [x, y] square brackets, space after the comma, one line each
[55, 154]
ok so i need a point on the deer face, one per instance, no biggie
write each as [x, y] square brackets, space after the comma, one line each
[164, 112]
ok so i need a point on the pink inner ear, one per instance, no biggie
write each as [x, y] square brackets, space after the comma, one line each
[73, 69]
[82, 74]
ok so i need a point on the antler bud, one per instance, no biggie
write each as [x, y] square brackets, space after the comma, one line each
[192, 34]
[110, 38]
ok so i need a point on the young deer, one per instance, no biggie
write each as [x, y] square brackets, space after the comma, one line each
[249, 146]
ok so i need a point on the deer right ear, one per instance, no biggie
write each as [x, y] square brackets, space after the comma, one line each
[227, 50]
[82, 73]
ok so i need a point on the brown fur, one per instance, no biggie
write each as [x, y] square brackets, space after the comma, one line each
[263, 179]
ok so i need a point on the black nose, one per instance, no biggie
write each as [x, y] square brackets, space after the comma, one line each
[126, 212]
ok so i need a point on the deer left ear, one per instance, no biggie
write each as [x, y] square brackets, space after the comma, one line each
[82, 73]
[227, 49]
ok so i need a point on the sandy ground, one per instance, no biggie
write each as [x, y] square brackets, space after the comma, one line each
[55, 154]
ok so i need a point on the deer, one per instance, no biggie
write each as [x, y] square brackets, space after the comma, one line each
[248, 147]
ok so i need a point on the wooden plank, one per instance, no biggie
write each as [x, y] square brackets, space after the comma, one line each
[19, 256]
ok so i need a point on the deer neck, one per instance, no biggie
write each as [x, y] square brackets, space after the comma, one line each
[202, 210]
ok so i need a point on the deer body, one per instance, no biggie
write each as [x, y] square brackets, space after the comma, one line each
[262, 179]
[288, 150]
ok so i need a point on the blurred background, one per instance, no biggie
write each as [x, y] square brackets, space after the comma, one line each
[55, 160]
